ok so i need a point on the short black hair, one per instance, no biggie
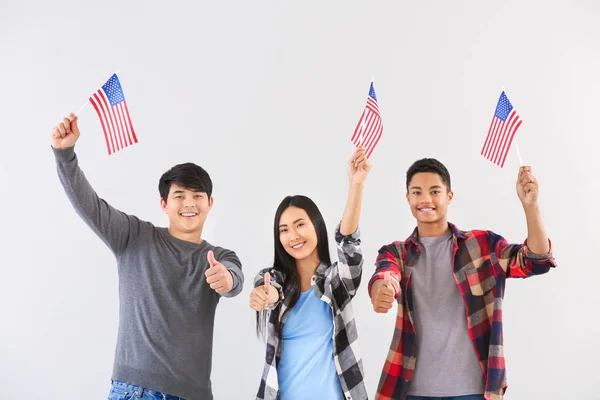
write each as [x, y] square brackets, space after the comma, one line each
[428, 165]
[187, 175]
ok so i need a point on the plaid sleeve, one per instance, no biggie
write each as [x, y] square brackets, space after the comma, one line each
[517, 261]
[276, 282]
[350, 259]
[388, 259]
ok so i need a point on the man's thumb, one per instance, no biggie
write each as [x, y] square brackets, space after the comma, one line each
[211, 258]
[267, 282]
[74, 127]
[388, 279]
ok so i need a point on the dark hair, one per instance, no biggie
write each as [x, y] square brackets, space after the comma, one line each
[189, 176]
[285, 263]
[428, 165]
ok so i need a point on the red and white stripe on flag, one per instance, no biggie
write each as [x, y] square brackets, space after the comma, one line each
[501, 133]
[369, 129]
[111, 107]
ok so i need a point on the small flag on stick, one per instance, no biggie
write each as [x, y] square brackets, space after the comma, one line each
[369, 129]
[111, 107]
[501, 133]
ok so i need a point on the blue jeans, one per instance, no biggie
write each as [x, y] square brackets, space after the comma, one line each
[468, 397]
[124, 391]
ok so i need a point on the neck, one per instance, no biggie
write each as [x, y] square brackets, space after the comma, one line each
[193, 237]
[306, 269]
[433, 229]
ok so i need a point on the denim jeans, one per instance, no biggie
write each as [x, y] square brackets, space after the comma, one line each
[468, 397]
[125, 391]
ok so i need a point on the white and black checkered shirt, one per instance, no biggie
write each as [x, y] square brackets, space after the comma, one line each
[336, 285]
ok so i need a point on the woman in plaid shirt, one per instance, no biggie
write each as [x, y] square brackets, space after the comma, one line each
[303, 302]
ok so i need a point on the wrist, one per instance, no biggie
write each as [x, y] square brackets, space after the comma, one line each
[356, 185]
[531, 208]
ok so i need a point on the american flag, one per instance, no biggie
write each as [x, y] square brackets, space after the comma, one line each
[370, 127]
[111, 107]
[502, 130]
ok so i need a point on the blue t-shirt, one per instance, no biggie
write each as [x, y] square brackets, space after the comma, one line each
[306, 369]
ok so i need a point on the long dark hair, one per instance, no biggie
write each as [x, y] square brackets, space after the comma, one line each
[285, 263]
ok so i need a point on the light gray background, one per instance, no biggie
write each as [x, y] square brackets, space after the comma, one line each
[265, 96]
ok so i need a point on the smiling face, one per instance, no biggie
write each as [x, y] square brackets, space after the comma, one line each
[428, 198]
[297, 234]
[187, 211]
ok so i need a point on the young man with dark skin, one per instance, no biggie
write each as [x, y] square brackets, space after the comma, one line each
[449, 286]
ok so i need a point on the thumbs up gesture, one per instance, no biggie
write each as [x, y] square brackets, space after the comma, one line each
[264, 295]
[217, 276]
[384, 294]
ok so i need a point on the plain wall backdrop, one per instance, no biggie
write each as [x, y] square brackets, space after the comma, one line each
[265, 95]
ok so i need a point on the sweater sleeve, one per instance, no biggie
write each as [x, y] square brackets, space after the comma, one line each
[111, 225]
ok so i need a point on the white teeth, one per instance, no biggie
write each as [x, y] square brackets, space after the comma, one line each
[297, 246]
[188, 214]
[426, 209]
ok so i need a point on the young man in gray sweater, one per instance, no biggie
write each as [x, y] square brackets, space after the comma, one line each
[170, 279]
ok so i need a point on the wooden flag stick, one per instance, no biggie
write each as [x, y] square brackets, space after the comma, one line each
[82, 107]
[518, 153]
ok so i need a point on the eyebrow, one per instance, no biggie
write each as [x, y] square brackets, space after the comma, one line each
[179, 191]
[299, 219]
[431, 187]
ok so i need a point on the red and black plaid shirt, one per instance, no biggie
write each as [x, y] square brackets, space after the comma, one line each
[481, 263]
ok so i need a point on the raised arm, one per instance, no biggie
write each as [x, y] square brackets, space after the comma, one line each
[527, 190]
[347, 236]
[111, 225]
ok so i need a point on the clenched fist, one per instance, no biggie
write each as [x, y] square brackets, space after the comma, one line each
[65, 133]
[359, 166]
[527, 187]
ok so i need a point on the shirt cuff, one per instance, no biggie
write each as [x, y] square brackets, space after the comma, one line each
[353, 237]
[537, 257]
[64, 155]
